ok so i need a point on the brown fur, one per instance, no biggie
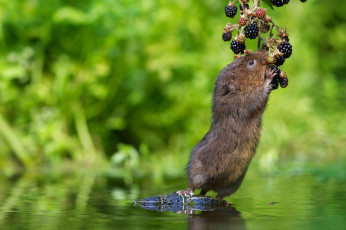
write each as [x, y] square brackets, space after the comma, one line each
[220, 160]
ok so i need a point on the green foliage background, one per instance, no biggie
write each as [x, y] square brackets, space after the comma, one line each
[126, 85]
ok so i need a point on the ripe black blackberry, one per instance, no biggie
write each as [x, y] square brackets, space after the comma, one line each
[251, 31]
[275, 82]
[278, 3]
[227, 36]
[285, 48]
[237, 47]
[279, 60]
[230, 11]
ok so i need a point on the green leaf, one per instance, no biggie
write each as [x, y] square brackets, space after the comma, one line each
[71, 15]
[268, 4]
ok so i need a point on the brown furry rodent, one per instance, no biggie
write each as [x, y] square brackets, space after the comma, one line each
[220, 160]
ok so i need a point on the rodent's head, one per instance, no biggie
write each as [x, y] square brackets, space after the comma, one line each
[244, 75]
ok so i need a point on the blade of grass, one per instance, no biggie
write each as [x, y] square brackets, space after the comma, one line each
[83, 133]
[15, 143]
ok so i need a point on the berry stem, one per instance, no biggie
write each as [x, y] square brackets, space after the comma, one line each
[271, 31]
[259, 43]
[257, 3]
[259, 35]
[276, 26]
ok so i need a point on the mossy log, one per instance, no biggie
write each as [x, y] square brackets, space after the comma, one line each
[174, 202]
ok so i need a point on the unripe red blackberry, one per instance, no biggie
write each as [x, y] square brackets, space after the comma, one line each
[260, 13]
[231, 10]
[242, 21]
[279, 60]
[227, 36]
[251, 31]
[237, 47]
[278, 3]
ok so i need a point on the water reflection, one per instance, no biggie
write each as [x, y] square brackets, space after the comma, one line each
[44, 200]
[223, 218]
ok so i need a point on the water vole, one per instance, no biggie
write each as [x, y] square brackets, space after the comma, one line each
[220, 160]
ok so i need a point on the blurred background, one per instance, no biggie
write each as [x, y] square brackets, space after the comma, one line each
[125, 86]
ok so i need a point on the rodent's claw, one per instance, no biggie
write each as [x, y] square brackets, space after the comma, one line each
[186, 192]
[185, 212]
[270, 74]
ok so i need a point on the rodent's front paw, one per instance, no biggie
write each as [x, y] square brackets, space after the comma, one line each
[269, 76]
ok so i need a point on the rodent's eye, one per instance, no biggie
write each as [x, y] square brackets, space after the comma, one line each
[251, 64]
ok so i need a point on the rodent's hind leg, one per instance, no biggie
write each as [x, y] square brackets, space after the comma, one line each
[188, 191]
[231, 187]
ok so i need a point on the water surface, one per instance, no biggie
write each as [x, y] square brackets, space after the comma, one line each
[97, 202]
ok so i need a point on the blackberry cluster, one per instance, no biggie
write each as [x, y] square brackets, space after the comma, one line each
[251, 31]
[279, 3]
[285, 48]
[254, 22]
[237, 47]
[227, 36]
[230, 11]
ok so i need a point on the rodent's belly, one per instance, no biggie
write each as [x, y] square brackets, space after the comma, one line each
[219, 170]
[235, 165]
[217, 162]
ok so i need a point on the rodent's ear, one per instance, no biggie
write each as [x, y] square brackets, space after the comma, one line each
[251, 64]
